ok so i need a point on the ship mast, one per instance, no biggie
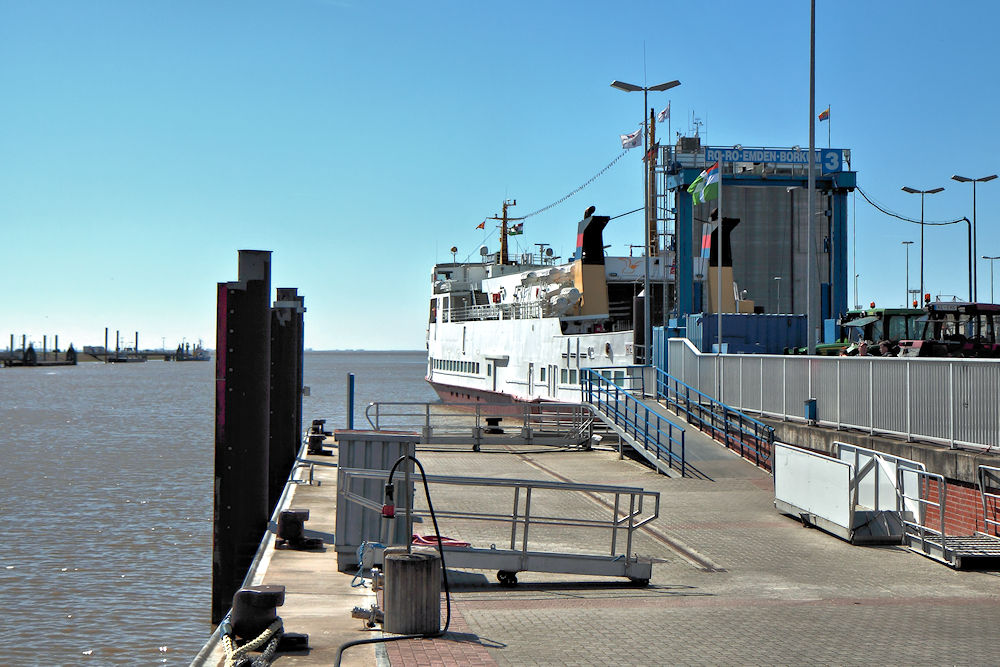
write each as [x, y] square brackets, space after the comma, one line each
[503, 228]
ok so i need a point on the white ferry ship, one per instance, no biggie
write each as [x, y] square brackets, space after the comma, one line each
[522, 330]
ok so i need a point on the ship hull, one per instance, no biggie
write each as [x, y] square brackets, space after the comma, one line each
[527, 360]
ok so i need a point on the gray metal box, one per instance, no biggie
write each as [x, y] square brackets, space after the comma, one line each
[370, 450]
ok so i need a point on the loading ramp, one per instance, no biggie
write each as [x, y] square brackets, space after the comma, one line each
[538, 510]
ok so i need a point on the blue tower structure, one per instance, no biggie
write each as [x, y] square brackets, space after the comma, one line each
[766, 189]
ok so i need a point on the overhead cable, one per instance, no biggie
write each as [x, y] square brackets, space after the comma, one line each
[900, 217]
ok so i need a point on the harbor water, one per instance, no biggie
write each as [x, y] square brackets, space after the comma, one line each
[106, 500]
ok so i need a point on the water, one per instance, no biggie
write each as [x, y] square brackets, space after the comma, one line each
[106, 503]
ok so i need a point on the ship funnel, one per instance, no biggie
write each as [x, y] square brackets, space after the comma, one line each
[588, 267]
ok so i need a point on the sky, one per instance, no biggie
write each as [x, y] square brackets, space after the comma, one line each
[143, 143]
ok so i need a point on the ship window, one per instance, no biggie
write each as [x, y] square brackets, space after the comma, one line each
[563, 373]
[433, 316]
[541, 374]
[572, 376]
[489, 370]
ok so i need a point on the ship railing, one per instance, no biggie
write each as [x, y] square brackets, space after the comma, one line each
[748, 437]
[500, 311]
[555, 424]
[617, 393]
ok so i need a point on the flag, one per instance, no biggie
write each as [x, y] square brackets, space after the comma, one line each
[516, 229]
[481, 225]
[632, 140]
[825, 115]
[663, 115]
[706, 186]
[651, 153]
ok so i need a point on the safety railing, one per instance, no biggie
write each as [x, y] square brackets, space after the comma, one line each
[741, 433]
[950, 401]
[534, 507]
[930, 496]
[560, 424]
[989, 491]
[528, 310]
[661, 439]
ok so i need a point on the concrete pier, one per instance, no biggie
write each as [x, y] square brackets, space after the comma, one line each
[734, 582]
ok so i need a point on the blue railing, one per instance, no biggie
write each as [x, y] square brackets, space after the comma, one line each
[741, 433]
[615, 398]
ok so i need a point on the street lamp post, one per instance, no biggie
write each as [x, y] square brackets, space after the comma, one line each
[914, 191]
[906, 297]
[777, 280]
[995, 257]
[647, 328]
[975, 268]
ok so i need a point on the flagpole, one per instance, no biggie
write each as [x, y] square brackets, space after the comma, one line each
[718, 290]
[829, 124]
[811, 206]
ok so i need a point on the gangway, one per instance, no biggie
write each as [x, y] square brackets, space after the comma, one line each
[927, 534]
[618, 402]
[546, 424]
[538, 509]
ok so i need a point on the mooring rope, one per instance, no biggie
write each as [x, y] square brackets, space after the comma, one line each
[235, 656]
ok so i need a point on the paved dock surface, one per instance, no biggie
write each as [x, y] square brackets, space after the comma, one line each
[733, 582]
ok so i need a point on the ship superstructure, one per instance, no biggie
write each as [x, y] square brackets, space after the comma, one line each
[523, 329]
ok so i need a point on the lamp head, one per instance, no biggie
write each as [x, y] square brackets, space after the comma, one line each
[627, 87]
[665, 86]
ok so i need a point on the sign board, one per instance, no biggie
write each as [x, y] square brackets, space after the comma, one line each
[828, 160]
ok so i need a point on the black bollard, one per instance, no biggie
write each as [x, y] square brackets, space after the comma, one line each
[241, 425]
[255, 609]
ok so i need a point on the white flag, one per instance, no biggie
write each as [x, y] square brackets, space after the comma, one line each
[632, 140]
[663, 115]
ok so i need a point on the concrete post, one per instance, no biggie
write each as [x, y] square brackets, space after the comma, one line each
[241, 424]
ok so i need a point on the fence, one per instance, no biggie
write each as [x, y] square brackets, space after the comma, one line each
[950, 401]
[548, 423]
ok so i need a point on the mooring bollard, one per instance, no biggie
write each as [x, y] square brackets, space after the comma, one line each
[412, 591]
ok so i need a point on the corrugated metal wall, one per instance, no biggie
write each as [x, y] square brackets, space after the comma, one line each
[769, 242]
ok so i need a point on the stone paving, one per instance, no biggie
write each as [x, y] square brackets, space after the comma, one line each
[773, 592]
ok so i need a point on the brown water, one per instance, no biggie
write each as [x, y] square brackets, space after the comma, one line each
[106, 500]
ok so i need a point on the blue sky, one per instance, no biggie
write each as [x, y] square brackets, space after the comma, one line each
[144, 143]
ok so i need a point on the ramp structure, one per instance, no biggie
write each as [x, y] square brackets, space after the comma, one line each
[861, 495]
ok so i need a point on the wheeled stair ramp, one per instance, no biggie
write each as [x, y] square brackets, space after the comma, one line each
[926, 533]
[542, 513]
[858, 495]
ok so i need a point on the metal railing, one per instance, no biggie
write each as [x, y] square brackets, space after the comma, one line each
[530, 508]
[660, 438]
[950, 401]
[925, 481]
[988, 480]
[741, 433]
[529, 310]
[558, 424]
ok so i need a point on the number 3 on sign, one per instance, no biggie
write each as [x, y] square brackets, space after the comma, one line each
[831, 161]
